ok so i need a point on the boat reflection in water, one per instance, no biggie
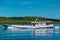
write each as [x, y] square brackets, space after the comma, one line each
[34, 32]
[43, 32]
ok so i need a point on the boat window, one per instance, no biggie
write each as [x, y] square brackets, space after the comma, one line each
[33, 24]
[41, 23]
[47, 23]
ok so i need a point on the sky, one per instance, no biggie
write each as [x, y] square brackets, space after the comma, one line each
[43, 8]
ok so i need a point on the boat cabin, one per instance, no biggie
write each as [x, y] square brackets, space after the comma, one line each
[40, 23]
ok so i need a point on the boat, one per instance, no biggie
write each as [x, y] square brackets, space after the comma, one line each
[34, 25]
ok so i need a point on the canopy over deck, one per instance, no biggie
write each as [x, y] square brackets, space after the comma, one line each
[42, 22]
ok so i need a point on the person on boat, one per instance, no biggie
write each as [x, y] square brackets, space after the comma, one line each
[33, 24]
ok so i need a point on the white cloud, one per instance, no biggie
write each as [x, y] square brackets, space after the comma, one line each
[25, 2]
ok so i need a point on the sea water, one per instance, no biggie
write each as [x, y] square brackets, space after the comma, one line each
[30, 34]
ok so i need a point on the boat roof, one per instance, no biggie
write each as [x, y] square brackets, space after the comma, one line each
[42, 22]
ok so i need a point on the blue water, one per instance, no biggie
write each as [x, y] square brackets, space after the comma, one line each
[30, 34]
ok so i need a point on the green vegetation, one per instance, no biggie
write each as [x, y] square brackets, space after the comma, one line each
[26, 19]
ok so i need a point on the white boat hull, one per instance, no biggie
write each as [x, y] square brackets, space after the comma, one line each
[27, 27]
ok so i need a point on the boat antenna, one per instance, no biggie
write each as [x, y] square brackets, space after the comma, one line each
[36, 19]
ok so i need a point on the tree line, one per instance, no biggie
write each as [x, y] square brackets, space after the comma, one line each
[25, 20]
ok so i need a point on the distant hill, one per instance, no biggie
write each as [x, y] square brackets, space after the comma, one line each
[25, 19]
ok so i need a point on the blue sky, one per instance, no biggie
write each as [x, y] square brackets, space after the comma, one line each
[43, 8]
